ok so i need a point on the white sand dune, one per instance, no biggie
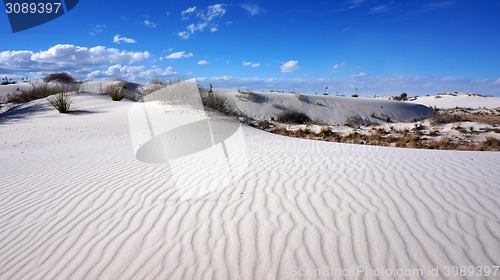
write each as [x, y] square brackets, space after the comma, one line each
[327, 109]
[76, 203]
[463, 100]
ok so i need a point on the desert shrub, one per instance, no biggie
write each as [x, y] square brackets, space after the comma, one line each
[326, 132]
[218, 103]
[489, 144]
[354, 121]
[61, 77]
[294, 117]
[115, 91]
[402, 97]
[39, 91]
[443, 118]
[264, 124]
[157, 82]
[154, 87]
[61, 101]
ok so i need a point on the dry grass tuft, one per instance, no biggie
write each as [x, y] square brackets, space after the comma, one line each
[61, 101]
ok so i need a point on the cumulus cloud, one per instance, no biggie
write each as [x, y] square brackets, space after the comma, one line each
[290, 66]
[117, 40]
[66, 57]
[252, 10]
[207, 19]
[177, 55]
[202, 62]
[131, 73]
[250, 64]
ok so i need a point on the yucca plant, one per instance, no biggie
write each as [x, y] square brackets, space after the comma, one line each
[61, 101]
[115, 91]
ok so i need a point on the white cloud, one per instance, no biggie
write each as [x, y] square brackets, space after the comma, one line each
[250, 64]
[131, 73]
[252, 10]
[117, 40]
[338, 66]
[97, 29]
[208, 19]
[359, 75]
[438, 5]
[381, 9]
[202, 62]
[66, 57]
[187, 11]
[184, 35]
[150, 23]
[177, 55]
[213, 12]
[290, 66]
[352, 4]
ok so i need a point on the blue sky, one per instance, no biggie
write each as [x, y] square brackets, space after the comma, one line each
[377, 47]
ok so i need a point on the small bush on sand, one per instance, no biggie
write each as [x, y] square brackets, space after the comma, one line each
[218, 103]
[263, 124]
[294, 117]
[115, 91]
[443, 118]
[353, 121]
[59, 77]
[61, 101]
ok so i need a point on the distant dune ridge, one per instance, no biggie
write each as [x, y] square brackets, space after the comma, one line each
[77, 203]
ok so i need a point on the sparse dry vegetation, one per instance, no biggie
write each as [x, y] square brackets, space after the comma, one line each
[219, 103]
[60, 77]
[40, 91]
[61, 101]
[115, 91]
[293, 117]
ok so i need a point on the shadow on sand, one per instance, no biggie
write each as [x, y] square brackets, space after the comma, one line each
[17, 113]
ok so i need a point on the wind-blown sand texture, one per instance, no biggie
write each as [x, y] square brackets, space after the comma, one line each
[75, 203]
